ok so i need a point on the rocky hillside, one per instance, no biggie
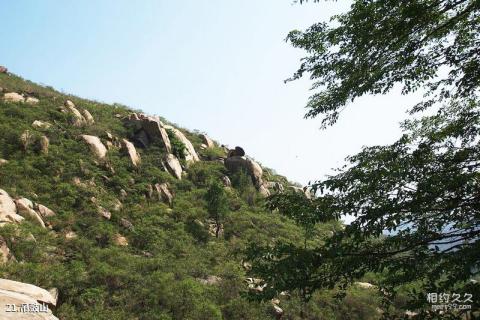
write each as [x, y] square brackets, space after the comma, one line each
[103, 215]
[106, 206]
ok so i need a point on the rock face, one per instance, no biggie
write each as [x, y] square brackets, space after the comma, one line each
[8, 209]
[25, 209]
[29, 290]
[132, 152]
[96, 146]
[13, 97]
[173, 166]
[236, 163]
[264, 191]
[3, 69]
[256, 172]
[190, 153]
[207, 141]
[164, 193]
[24, 294]
[149, 129]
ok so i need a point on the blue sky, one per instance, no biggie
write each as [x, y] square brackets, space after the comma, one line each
[216, 66]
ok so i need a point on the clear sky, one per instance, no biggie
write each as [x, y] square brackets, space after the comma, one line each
[213, 65]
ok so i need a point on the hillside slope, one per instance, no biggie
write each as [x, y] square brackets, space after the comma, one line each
[116, 245]
[109, 210]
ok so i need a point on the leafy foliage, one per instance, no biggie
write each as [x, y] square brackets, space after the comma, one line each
[170, 250]
[418, 44]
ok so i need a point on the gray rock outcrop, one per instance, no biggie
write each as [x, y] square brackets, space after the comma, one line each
[25, 209]
[25, 295]
[172, 164]
[44, 143]
[96, 146]
[132, 152]
[149, 129]
[13, 97]
[164, 193]
[8, 209]
[32, 100]
[77, 119]
[190, 153]
[37, 124]
[207, 141]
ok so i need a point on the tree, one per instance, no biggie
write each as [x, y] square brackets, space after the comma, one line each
[379, 44]
[416, 202]
[217, 204]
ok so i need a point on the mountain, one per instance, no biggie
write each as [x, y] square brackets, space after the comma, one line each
[104, 214]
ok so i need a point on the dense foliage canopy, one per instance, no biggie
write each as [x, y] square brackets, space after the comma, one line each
[415, 203]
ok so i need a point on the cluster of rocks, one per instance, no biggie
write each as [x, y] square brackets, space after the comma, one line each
[80, 117]
[15, 211]
[149, 129]
[18, 295]
[237, 161]
[160, 192]
[15, 97]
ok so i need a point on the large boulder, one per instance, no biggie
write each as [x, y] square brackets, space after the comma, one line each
[34, 292]
[96, 146]
[37, 124]
[77, 118]
[3, 69]
[120, 240]
[236, 163]
[252, 168]
[44, 211]
[8, 209]
[173, 166]
[207, 141]
[132, 152]
[190, 153]
[153, 128]
[32, 100]
[13, 97]
[237, 152]
[256, 172]
[88, 117]
[25, 209]
[29, 302]
[164, 193]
